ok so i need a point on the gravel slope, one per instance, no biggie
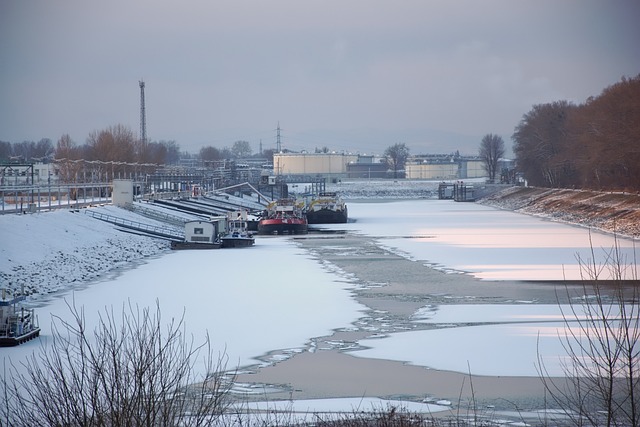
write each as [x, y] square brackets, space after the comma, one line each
[613, 212]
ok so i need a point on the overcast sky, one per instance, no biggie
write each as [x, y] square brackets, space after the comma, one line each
[355, 75]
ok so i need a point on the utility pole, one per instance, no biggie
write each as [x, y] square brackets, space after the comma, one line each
[143, 116]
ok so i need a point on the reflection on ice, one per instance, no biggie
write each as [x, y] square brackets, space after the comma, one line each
[486, 339]
[490, 313]
[488, 243]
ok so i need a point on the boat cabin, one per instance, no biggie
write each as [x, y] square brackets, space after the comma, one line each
[201, 231]
[17, 324]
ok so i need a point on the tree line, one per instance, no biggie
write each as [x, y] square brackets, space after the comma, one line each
[592, 145]
[113, 144]
[116, 143]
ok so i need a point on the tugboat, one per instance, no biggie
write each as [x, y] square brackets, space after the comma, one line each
[237, 235]
[327, 208]
[283, 216]
[17, 325]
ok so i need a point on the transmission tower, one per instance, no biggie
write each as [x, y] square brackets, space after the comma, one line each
[143, 115]
[278, 146]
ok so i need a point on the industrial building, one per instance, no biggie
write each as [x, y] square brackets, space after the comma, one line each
[339, 166]
[329, 165]
[444, 167]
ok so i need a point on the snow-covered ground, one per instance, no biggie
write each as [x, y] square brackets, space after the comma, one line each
[275, 297]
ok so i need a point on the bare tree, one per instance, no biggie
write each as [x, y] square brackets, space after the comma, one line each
[241, 149]
[5, 150]
[67, 155]
[210, 153]
[132, 371]
[25, 150]
[539, 140]
[114, 144]
[601, 386]
[172, 149]
[491, 151]
[592, 145]
[397, 156]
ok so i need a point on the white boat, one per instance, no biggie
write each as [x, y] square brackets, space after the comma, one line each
[237, 234]
[17, 324]
[200, 235]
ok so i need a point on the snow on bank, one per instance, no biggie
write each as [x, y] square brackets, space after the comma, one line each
[48, 252]
[613, 212]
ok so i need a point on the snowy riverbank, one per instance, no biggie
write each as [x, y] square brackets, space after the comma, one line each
[48, 252]
[613, 212]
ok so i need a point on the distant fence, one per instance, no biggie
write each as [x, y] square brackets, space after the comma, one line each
[33, 198]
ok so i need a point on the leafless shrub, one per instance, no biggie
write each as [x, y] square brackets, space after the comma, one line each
[602, 341]
[131, 371]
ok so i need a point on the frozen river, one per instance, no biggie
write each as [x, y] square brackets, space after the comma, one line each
[276, 296]
[483, 241]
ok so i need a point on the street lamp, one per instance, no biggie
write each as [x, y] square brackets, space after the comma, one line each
[49, 190]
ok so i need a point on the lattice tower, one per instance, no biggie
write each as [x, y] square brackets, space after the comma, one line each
[143, 115]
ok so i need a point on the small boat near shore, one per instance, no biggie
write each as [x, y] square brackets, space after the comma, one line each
[327, 208]
[17, 324]
[199, 235]
[284, 216]
[237, 235]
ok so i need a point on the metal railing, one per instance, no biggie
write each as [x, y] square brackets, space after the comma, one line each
[160, 216]
[155, 230]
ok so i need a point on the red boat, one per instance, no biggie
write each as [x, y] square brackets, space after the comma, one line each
[283, 216]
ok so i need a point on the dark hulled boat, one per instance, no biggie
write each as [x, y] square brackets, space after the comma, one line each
[327, 208]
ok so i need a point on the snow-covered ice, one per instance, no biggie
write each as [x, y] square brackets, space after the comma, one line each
[485, 339]
[251, 301]
[489, 244]
[483, 241]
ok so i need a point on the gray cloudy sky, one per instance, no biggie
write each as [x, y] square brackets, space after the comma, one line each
[356, 75]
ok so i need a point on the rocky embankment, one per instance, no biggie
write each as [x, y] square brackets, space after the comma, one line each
[613, 212]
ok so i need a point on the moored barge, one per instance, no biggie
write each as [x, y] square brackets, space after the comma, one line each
[283, 216]
[327, 208]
